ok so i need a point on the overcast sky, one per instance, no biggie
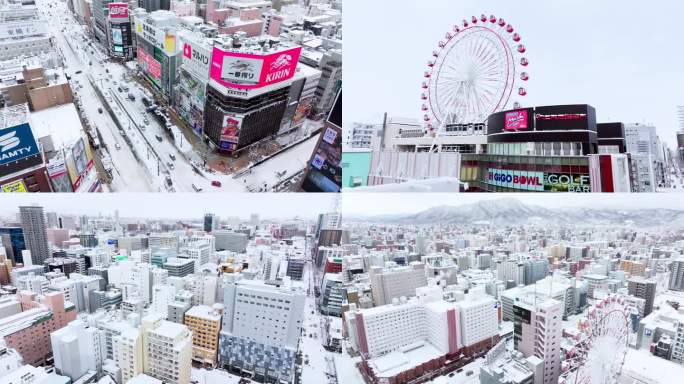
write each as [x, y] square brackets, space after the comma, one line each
[394, 203]
[158, 205]
[624, 57]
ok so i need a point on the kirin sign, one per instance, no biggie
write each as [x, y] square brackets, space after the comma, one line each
[250, 71]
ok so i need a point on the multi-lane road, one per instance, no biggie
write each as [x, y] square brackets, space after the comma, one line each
[141, 154]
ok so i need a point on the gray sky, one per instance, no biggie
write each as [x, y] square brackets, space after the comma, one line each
[394, 203]
[178, 205]
[624, 57]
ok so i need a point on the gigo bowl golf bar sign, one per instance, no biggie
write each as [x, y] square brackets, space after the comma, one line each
[538, 181]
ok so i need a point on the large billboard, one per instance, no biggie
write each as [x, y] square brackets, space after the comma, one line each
[17, 143]
[230, 132]
[196, 60]
[118, 10]
[249, 71]
[149, 65]
[515, 120]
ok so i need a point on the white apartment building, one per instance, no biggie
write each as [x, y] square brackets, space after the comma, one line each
[77, 349]
[260, 328]
[396, 281]
[538, 332]
[167, 350]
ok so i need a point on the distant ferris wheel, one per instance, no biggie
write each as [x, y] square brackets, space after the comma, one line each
[479, 65]
[601, 347]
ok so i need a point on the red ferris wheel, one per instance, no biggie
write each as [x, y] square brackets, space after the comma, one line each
[479, 67]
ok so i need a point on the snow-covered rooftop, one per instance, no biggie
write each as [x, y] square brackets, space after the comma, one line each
[61, 123]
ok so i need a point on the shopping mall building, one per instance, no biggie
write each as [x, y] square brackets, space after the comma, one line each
[557, 148]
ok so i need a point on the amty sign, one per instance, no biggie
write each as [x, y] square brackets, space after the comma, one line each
[17, 143]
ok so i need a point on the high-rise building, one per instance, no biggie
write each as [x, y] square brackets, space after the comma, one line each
[13, 241]
[205, 324]
[261, 328]
[35, 234]
[538, 330]
[645, 289]
[167, 350]
[677, 275]
[396, 281]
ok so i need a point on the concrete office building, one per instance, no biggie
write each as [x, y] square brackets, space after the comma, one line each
[330, 82]
[205, 324]
[395, 281]
[538, 330]
[179, 267]
[645, 289]
[278, 312]
[167, 350]
[35, 233]
[230, 241]
[507, 367]
[36, 324]
[24, 33]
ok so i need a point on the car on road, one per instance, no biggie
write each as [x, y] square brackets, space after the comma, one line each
[131, 96]
[172, 156]
[159, 138]
[196, 188]
[216, 183]
[117, 146]
[170, 165]
[78, 72]
[99, 110]
[169, 182]
[119, 89]
[147, 122]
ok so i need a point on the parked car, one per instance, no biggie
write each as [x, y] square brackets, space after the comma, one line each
[172, 156]
[117, 146]
[196, 188]
[159, 138]
[99, 110]
[216, 183]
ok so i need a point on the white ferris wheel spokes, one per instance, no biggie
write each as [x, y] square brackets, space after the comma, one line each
[473, 73]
